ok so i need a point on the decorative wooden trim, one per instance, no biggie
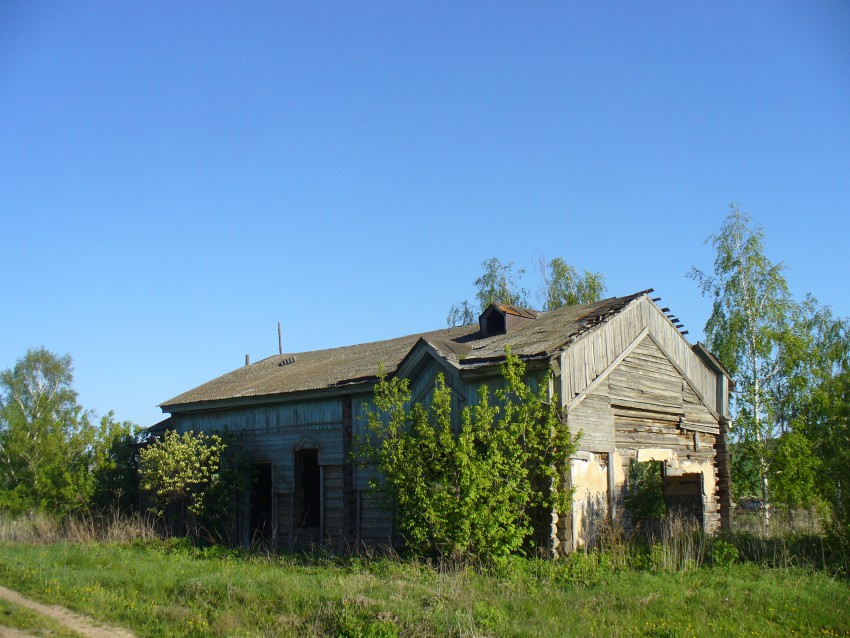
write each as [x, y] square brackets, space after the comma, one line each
[581, 396]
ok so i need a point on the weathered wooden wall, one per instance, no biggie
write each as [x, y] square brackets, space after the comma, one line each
[642, 408]
[272, 434]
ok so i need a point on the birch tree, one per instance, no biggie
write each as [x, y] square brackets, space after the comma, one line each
[563, 285]
[53, 456]
[44, 434]
[750, 310]
[499, 283]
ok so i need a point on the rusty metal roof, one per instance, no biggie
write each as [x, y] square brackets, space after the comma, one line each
[516, 310]
[359, 364]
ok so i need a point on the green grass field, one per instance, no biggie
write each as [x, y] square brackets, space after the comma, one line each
[160, 590]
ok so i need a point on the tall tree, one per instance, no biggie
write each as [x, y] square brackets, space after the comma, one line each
[564, 286]
[812, 458]
[498, 283]
[750, 310]
[52, 456]
[43, 433]
[828, 430]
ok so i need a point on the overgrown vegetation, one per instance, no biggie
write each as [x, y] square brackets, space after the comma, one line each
[174, 589]
[197, 481]
[645, 499]
[470, 490]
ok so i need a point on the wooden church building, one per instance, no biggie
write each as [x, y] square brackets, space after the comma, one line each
[623, 373]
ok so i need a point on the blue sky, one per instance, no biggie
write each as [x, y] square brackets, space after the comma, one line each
[176, 178]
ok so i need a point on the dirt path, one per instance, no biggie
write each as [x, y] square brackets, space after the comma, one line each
[8, 632]
[81, 624]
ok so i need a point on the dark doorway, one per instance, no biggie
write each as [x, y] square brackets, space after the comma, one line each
[308, 493]
[683, 496]
[261, 503]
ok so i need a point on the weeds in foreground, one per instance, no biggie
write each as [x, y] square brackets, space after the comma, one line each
[39, 527]
[672, 545]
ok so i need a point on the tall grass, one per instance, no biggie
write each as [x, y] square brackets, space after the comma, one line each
[40, 527]
[675, 544]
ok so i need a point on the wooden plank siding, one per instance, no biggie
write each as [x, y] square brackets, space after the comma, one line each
[333, 522]
[263, 417]
[595, 420]
[595, 351]
[644, 404]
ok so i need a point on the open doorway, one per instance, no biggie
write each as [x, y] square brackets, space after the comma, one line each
[683, 496]
[308, 493]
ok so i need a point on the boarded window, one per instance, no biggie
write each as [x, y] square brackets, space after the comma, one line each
[308, 493]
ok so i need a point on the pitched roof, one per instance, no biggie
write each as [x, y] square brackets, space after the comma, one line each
[335, 367]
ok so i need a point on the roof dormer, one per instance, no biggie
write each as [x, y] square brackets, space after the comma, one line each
[498, 319]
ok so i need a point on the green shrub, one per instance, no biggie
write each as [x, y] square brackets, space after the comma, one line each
[470, 493]
[354, 619]
[645, 499]
[723, 553]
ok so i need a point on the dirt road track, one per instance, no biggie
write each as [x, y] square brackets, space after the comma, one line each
[81, 624]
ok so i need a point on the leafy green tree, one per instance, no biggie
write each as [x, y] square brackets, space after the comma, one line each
[813, 349]
[44, 434]
[827, 429]
[179, 469]
[462, 314]
[114, 475]
[52, 456]
[794, 470]
[564, 286]
[750, 309]
[471, 492]
[500, 283]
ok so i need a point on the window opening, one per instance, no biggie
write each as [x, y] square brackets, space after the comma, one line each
[307, 488]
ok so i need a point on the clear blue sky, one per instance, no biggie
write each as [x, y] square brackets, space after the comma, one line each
[176, 177]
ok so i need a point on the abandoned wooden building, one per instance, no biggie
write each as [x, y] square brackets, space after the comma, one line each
[623, 373]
